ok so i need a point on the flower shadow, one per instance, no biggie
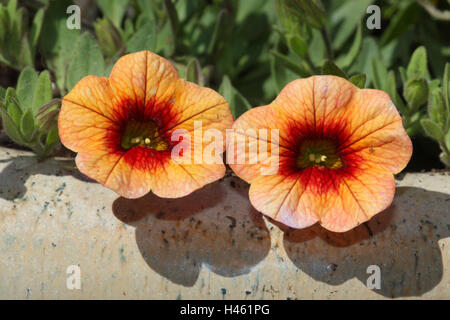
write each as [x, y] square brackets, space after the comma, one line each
[402, 241]
[18, 169]
[177, 236]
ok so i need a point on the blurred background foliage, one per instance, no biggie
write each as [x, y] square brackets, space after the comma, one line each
[246, 49]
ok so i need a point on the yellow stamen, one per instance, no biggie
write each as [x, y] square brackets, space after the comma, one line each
[311, 157]
[147, 141]
[136, 140]
[323, 158]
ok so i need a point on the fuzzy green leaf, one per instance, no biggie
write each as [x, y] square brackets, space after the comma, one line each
[416, 92]
[88, 60]
[418, 64]
[14, 112]
[432, 129]
[27, 125]
[114, 10]
[145, 38]
[446, 86]
[26, 87]
[11, 130]
[436, 107]
[59, 43]
[43, 91]
[447, 140]
[298, 45]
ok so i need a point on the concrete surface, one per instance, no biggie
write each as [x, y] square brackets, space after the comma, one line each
[209, 245]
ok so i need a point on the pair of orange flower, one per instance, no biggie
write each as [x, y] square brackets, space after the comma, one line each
[338, 145]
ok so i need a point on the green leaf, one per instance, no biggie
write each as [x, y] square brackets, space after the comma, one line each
[10, 127]
[298, 68]
[416, 92]
[36, 27]
[380, 74]
[26, 87]
[309, 11]
[88, 60]
[418, 64]
[215, 38]
[114, 10]
[403, 75]
[436, 107]
[298, 45]
[391, 89]
[14, 112]
[345, 23]
[26, 56]
[43, 91]
[347, 60]
[358, 80]
[11, 96]
[330, 68]
[363, 63]
[58, 45]
[447, 140]
[27, 125]
[401, 22]
[51, 139]
[432, 129]
[108, 37]
[238, 103]
[446, 86]
[145, 38]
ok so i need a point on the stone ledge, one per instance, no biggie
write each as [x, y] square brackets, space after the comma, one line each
[209, 245]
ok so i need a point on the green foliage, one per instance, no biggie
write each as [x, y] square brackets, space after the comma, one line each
[20, 112]
[437, 125]
[86, 60]
[18, 37]
[238, 104]
[247, 50]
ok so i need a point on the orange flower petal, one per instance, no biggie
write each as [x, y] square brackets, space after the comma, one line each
[367, 119]
[88, 114]
[339, 202]
[140, 77]
[362, 131]
[255, 162]
[376, 131]
[101, 117]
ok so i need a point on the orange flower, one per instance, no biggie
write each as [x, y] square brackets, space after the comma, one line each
[338, 149]
[122, 127]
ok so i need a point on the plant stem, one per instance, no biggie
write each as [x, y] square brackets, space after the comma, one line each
[434, 12]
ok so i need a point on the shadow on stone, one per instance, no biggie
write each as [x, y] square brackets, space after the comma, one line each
[402, 241]
[210, 227]
[18, 169]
